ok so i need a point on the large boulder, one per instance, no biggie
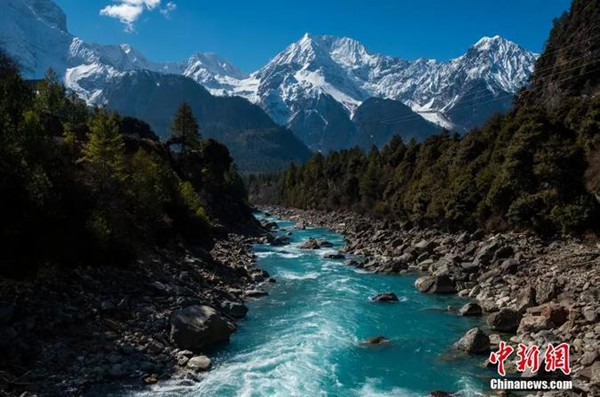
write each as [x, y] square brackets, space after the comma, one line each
[197, 326]
[441, 284]
[199, 363]
[310, 244]
[334, 255]
[475, 341]
[324, 243]
[385, 297]
[470, 309]
[546, 290]
[505, 320]
[280, 240]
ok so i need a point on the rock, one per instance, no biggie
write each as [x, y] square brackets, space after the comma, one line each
[505, 320]
[590, 314]
[352, 262]
[324, 243]
[406, 258]
[198, 326]
[199, 363]
[378, 340]
[475, 341]
[469, 267]
[486, 253]
[595, 374]
[589, 358]
[545, 291]
[470, 309]
[255, 293]
[385, 297]
[439, 393]
[150, 380]
[271, 225]
[525, 299]
[310, 244]
[510, 266]
[334, 255]
[234, 309]
[279, 241]
[530, 323]
[506, 251]
[425, 246]
[555, 314]
[435, 285]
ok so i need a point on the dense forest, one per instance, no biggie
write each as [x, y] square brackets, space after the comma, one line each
[537, 167]
[87, 186]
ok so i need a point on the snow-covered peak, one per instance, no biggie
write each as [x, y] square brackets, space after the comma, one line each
[214, 64]
[45, 11]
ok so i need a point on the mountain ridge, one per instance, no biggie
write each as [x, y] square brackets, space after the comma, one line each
[314, 86]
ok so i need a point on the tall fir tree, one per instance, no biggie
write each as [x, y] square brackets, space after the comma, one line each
[185, 128]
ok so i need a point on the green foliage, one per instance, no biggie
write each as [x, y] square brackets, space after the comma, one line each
[104, 153]
[185, 128]
[90, 187]
[525, 170]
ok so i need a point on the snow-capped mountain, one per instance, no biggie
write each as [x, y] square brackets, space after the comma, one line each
[315, 86]
[316, 67]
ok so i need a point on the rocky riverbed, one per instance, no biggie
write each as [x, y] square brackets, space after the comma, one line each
[531, 291]
[70, 332]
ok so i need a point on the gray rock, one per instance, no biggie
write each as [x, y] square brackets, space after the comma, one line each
[590, 314]
[505, 320]
[334, 255]
[589, 358]
[545, 291]
[199, 363]
[279, 241]
[475, 341]
[198, 326]
[310, 244]
[510, 266]
[324, 243]
[525, 299]
[435, 285]
[385, 297]
[470, 309]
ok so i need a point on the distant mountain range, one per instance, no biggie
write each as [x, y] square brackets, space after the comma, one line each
[331, 92]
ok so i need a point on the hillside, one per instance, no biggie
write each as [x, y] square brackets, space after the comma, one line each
[256, 142]
[533, 168]
[571, 60]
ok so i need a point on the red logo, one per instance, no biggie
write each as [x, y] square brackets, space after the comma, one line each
[555, 358]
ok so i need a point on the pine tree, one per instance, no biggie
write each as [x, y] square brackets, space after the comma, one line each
[105, 151]
[51, 94]
[185, 128]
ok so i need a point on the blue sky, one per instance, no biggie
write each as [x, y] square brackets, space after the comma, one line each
[249, 33]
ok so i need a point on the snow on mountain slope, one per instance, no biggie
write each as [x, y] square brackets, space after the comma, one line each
[35, 32]
[345, 70]
[314, 85]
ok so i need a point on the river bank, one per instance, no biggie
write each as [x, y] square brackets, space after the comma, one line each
[531, 291]
[69, 332]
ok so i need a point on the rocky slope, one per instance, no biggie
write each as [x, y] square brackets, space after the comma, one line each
[531, 291]
[69, 333]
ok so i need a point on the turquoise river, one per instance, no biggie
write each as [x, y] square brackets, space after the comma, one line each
[304, 338]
